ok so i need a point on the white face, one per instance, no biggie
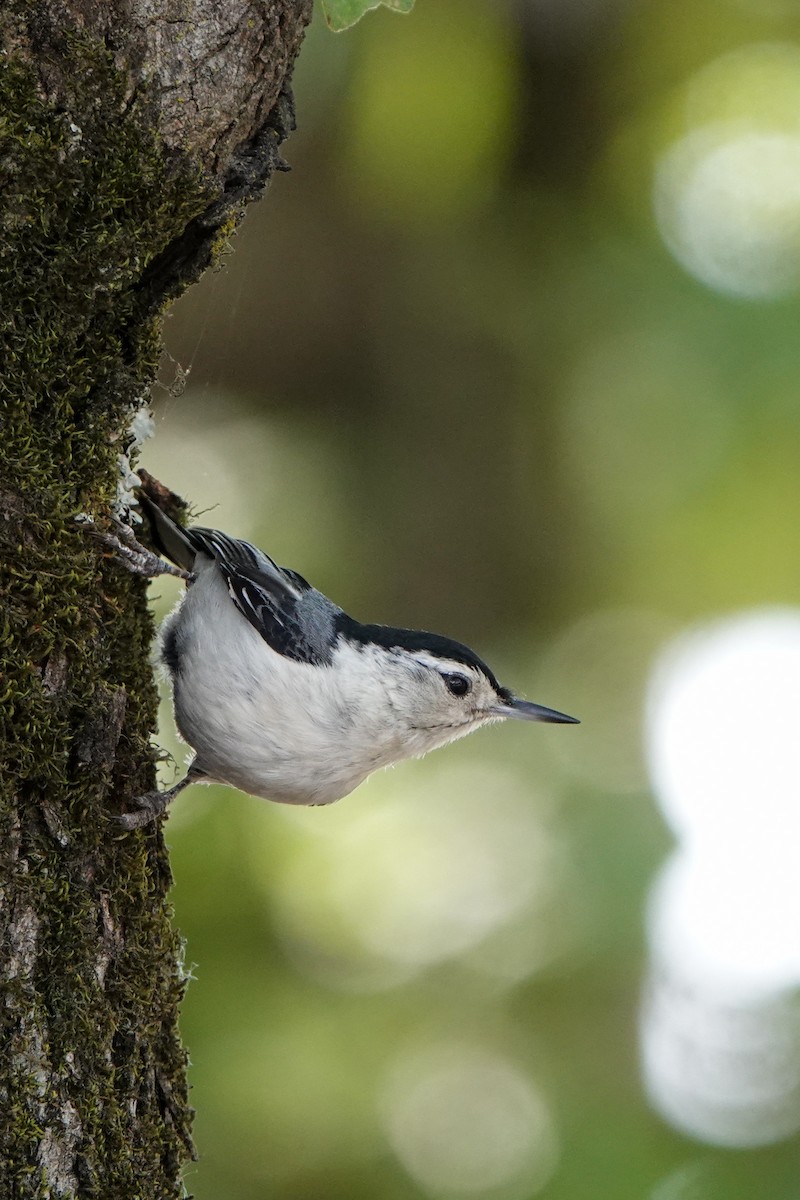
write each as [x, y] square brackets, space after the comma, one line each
[435, 700]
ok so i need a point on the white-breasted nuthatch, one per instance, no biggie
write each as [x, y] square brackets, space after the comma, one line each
[283, 695]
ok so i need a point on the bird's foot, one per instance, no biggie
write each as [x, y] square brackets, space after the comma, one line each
[148, 807]
[135, 557]
[151, 805]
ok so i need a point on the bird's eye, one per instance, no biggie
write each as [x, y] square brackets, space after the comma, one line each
[459, 685]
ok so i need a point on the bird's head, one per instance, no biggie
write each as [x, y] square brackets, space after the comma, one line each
[437, 689]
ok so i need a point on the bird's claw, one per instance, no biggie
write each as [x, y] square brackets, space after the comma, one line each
[152, 804]
[148, 806]
[135, 557]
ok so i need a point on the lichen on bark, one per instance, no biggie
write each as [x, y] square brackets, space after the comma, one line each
[111, 201]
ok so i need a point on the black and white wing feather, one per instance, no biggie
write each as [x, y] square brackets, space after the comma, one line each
[291, 616]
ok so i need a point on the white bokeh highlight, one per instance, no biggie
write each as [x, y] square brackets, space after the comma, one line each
[729, 917]
[465, 1121]
[720, 1032]
[727, 204]
[723, 734]
[726, 194]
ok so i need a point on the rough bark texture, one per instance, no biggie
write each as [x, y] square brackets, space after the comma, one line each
[132, 133]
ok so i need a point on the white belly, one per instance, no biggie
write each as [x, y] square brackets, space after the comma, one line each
[262, 722]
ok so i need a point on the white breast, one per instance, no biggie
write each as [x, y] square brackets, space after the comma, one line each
[285, 730]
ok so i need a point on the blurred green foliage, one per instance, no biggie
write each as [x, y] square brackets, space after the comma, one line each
[341, 14]
[452, 372]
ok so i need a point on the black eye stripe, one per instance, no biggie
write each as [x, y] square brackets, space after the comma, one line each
[459, 685]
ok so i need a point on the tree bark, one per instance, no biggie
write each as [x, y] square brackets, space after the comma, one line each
[132, 134]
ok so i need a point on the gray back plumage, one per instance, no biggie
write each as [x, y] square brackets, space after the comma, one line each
[285, 610]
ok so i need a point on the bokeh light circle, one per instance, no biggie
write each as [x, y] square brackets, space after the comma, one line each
[723, 727]
[728, 206]
[465, 1121]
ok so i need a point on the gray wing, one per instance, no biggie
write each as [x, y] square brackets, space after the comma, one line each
[285, 610]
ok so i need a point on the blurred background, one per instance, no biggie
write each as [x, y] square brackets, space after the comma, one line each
[513, 354]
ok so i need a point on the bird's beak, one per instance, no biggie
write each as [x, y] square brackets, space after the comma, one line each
[524, 710]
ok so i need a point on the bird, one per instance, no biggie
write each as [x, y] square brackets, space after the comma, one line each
[283, 695]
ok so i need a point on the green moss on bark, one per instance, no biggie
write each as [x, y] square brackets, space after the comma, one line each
[93, 1098]
[88, 200]
[100, 226]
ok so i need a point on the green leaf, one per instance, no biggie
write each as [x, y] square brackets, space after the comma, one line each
[341, 14]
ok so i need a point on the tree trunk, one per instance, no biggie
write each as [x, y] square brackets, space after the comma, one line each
[132, 134]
